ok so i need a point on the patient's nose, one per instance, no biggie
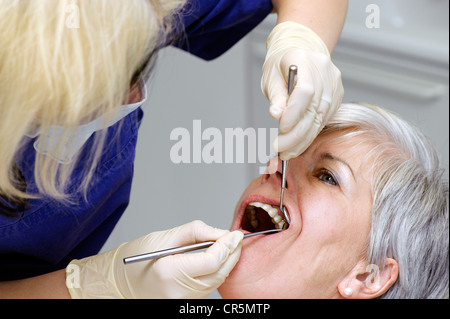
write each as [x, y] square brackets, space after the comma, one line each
[273, 172]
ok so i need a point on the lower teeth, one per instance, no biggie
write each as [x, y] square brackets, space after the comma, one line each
[253, 220]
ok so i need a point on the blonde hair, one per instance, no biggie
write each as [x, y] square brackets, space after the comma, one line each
[64, 63]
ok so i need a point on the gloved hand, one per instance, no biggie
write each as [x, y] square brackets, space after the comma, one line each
[318, 91]
[193, 275]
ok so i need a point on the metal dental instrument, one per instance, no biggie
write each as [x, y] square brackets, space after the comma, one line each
[184, 249]
[290, 86]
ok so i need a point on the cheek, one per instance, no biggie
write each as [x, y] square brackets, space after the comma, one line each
[326, 220]
[318, 208]
[336, 232]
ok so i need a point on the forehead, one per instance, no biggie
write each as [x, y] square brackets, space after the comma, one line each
[355, 149]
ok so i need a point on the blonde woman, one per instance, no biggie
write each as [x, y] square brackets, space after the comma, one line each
[72, 80]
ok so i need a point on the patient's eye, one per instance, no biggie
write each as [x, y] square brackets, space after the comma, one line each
[327, 177]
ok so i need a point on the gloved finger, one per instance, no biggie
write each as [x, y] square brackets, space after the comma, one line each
[190, 233]
[326, 110]
[278, 101]
[273, 85]
[196, 231]
[212, 260]
[216, 279]
[303, 144]
[199, 286]
[338, 95]
[284, 142]
[299, 148]
[305, 95]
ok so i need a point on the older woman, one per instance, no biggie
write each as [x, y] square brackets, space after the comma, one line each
[368, 206]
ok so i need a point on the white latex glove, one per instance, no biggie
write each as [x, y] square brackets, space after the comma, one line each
[318, 91]
[193, 275]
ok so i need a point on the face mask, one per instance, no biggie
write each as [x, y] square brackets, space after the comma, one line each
[75, 141]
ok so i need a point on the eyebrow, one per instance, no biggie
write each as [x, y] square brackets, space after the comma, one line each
[329, 156]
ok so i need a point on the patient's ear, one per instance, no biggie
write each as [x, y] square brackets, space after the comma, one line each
[369, 281]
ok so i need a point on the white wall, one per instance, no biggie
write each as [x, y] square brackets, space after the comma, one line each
[403, 66]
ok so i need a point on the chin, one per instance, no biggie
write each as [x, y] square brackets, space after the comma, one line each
[255, 273]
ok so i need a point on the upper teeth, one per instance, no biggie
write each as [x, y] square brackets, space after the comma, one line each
[272, 211]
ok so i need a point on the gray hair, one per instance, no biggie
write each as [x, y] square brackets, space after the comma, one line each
[410, 200]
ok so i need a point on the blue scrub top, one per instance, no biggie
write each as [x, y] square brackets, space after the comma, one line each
[48, 234]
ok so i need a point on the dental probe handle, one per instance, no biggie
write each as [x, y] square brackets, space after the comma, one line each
[184, 249]
[291, 78]
[290, 87]
[284, 165]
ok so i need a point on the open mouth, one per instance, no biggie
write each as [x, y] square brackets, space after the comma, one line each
[260, 216]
